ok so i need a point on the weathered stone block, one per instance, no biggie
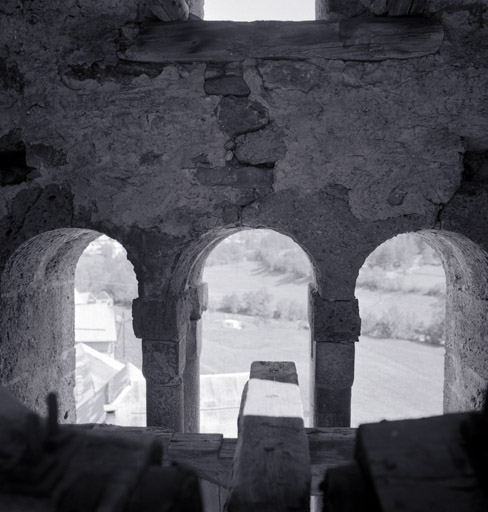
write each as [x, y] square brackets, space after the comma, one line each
[238, 115]
[43, 155]
[332, 407]
[337, 320]
[264, 147]
[165, 405]
[239, 177]
[161, 319]
[163, 361]
[227, 86]
[191, 377]
[334, 365]
[199, 300]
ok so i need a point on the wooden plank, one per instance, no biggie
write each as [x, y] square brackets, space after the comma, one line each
[363, 39]
[329, 448]
[200, 453]
[271, 469]
[420, 465]
[346, 490]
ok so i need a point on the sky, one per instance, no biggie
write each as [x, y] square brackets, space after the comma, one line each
[251, 10]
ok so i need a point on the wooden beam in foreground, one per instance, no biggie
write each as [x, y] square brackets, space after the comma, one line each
[271, 469]
[210, 456]
[361, 39]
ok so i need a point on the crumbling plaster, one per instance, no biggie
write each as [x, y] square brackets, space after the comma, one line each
[168, 159]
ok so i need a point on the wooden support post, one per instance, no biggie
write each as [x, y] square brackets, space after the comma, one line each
[368, 39]
[271, 469]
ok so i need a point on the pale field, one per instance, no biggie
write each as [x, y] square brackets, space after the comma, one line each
[393, 378]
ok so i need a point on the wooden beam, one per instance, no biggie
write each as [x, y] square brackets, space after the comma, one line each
[362, 39]
[271, 469]
[210, 456]
[420, 465]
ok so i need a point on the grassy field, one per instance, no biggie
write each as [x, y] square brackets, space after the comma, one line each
[393, 378]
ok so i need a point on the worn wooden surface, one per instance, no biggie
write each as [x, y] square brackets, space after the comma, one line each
[210, 455]
[271, 468]
[420, 465]
[329, 448]
[346, 490]
[365, 39]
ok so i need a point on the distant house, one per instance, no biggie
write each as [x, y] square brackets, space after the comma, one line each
[104, 298]
[84, 298]
[95, 321]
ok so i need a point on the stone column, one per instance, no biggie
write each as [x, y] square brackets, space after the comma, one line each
[163, 326]
[191, 375]
[335, 326]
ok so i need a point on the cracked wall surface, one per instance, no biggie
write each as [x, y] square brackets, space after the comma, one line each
[169, 158]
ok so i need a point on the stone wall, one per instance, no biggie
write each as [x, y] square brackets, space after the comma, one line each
[170, 158]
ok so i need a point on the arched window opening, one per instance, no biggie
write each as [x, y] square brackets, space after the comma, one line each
[109, 386]
[253, 10]
[257, 281]
[399, 370]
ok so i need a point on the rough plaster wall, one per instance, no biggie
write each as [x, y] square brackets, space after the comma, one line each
[466, 368]
[167, 158]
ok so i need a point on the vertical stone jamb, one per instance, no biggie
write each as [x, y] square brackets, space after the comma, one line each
[191, 376]
[335, 326]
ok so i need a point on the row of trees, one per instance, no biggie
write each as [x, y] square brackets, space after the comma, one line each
[261, 303]
[280, 254]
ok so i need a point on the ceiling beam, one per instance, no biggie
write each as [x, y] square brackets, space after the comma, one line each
[361, 39]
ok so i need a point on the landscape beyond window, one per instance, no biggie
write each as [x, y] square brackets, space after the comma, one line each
[252, 10]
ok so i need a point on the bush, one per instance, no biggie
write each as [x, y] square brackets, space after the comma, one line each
[438, 290]
[256, 303]
[393, 323]
[378, 279]
[231, 303]
[290, 310]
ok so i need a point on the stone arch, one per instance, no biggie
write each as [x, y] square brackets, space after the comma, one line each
[466, 361]
[466, 364]
[401, 294]
[37, 353]
[272, 236]
[170, 328]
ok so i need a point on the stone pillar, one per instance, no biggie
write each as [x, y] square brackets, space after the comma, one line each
[335, 326]
[163, 326]
[191, 376]
[171, 343]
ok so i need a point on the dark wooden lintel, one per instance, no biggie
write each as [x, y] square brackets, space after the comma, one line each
[362, 39]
